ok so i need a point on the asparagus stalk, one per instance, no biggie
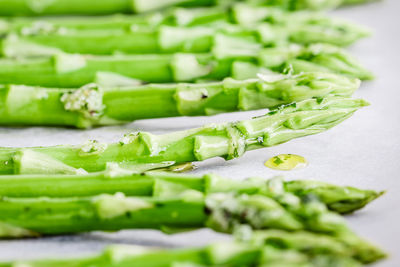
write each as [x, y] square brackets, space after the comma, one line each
[341, 199]
[228, 140]
[91, 105]
[242, 13]
[165, 39]
[58, 7]
[328, 253]
[171, 17]
[65, 70]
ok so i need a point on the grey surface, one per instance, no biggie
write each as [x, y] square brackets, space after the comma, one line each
[363, 151]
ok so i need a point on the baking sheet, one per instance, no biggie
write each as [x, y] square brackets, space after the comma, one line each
[363, 151]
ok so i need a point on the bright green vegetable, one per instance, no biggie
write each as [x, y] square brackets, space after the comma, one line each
[92, 105]
[266, 248]
[228, 140]
[241, 13]
[326, 252]
[75, 7]
[165, 39]
[65, 70]
[171, 17]
[58, 7]
[340, 199]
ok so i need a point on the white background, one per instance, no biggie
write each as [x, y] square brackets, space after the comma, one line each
[363, 151]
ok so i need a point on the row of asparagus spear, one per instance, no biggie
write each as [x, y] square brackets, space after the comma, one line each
[207, 44]
[93, 71]
[96, 186]
[192, 31]
[212, 50]
[72, 189]
[118, 198]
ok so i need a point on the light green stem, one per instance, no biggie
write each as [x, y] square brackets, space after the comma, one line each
[66, 70]
[228, 140]
[93, 105]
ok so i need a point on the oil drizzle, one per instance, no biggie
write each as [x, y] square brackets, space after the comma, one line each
[286, 162]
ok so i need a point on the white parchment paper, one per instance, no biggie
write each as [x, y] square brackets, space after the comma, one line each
[363, 151]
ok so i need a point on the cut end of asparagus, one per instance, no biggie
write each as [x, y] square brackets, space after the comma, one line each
[8, 231]
[28, 161]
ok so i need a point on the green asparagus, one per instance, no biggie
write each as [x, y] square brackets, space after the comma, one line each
[294, 249]
[133, 182]
[171, 17]
[228, 140]
[66, 70]
[91, 105]
[166, 39]
[241, 13]
[326, 252]
[58, 7]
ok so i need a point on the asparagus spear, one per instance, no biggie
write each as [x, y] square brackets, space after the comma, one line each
[171, 17]
[164, 39]
[241, 13]
[296, 249]
[228, 140]
[65, 70]
[330, 253]
[341, 199]
[62, 7]
[58, 7]
[90, 105]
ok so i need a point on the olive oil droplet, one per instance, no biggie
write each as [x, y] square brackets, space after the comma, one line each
[286, 162]
[185, 167]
